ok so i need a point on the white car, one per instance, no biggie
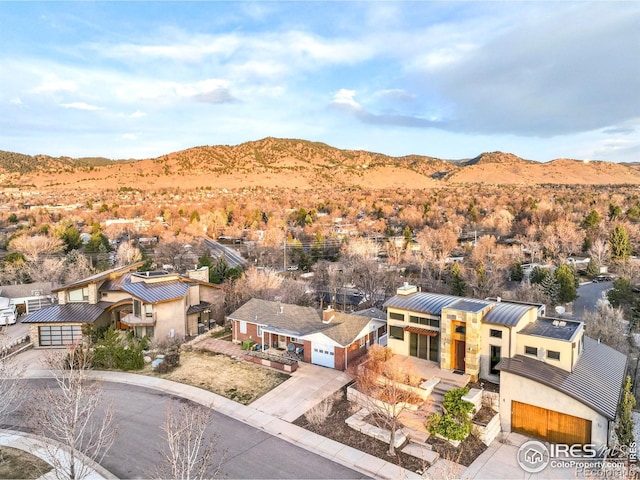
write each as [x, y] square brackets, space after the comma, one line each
[8, 315]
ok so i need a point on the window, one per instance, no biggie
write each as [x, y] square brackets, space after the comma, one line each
[243, 326]
[434, 322]
[396, 316]
[531, 350]
[295, 340]
[148, 310]
[149, 332]
[396, 332]
[553, 355]
[462, 329]
[452, 316]
[495, 359]
[495, 333]
[259, 330]
[362, 341]
[58, 335]
[137, 308]
[139, 333]
[79, 295]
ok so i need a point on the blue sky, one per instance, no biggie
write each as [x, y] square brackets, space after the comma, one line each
[542, 80]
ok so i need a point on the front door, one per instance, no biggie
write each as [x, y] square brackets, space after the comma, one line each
[282, 341]
[459, 349]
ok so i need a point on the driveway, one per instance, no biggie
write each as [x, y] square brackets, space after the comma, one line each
[588, 296]
[308, 386]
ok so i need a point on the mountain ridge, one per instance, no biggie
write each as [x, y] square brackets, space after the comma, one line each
[295, 163]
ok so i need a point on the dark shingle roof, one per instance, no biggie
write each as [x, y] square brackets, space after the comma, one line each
[422, 302]
[284, 318]
[68, 313]
[507, 314]
[596, 380]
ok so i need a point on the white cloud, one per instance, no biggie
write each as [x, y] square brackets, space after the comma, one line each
[80, 106]
[344, 97]
[130, 136]
[15, 101]
[52, 86]
[138, 114]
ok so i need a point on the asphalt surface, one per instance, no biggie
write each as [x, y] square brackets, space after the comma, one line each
[588, 296]
[242, 451]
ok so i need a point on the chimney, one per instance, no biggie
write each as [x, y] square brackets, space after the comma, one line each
[407, 289]
[328, 315]
[498, 299]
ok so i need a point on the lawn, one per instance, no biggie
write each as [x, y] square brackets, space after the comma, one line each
[237, 380]
[16, 463]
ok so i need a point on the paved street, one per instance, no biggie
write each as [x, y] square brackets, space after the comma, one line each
[246, 452]
[588, 296]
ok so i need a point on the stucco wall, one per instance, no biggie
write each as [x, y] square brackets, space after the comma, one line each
[170, 315]
[520, 389]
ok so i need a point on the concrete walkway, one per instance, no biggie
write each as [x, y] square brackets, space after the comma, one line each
[41, 448]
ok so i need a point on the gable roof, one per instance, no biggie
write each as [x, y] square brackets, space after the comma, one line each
[345, 328]
[279, 317]
[596, 379]
[68, 313]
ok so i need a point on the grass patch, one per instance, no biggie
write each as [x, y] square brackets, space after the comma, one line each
[222, 334]
[236, 380]
[19, 464]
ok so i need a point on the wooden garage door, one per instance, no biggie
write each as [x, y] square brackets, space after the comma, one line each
[549, 425]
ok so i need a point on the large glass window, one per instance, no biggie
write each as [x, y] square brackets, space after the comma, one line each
[396, 332]
[424, 346]
[148, 310]
[79, 295]
[396, 316]
[137, 308]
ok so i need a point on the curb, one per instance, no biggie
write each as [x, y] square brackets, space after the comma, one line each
[312, 442]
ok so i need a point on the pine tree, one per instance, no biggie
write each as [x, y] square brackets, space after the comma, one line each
[620, 244]
[593, 269]
[566, 280]
[624, 430]
[458, 285]
[550, 288]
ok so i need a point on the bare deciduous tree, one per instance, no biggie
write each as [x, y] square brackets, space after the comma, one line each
[190, 452]
[383, 379]
[607, 324]
[11, 376]
[36, 246]
[73, 414]
[127, 254]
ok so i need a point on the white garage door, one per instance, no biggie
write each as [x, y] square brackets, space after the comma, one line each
[323, 355]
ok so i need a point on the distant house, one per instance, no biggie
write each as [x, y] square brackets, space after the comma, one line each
[28, 297]
[150, 304]
[555, 383]
[327, 338]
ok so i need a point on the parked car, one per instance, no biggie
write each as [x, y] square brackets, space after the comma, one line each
[602, 278]
[9, 315]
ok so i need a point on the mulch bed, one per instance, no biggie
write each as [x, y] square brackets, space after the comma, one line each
[335, 428]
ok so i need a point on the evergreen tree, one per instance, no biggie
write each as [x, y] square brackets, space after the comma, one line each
[566, 279]
[620, 244]
[593, 269]
[458, 285]
[624, 430]
[621, 295]
[591, 221]
[516, 273]
[538, 275]
[550, 288]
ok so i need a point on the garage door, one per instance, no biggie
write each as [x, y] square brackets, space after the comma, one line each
[323, 355]
[59, 335]
[549, 425]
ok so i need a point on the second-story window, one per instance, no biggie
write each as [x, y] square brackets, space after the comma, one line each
[148, 310]
[495, 333]
[137, 308]
[531, 350]
[553, 355]
[79, 295]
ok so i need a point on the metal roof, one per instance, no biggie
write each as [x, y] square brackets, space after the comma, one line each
[101, 276]
[68, 313]
[422, 302]
[552, 328]
[507, 314]
[156, 292]
[468, 305]
[596, 380]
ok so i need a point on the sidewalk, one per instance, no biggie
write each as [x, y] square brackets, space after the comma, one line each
[40, 447]
[253, 416]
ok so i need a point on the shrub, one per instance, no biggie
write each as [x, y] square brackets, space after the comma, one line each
[455, 405]
[121, 352]
[455, 423]
[318, 415]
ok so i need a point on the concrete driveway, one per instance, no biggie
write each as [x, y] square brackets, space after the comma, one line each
[307, 387]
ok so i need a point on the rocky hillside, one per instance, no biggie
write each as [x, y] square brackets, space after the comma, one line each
[291, 163]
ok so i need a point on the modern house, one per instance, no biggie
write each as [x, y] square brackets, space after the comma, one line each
[577, 381]
[327, 338]
[151, 304]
